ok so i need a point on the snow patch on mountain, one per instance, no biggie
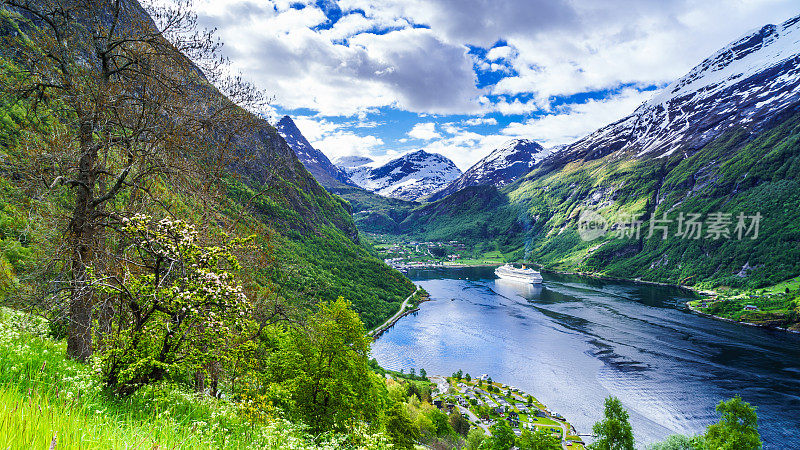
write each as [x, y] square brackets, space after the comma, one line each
[507, 163]
[502, 166]
[409, 177]
[352, 161]
[742, 85]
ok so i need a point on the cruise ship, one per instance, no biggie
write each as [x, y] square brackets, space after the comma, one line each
[523, 275]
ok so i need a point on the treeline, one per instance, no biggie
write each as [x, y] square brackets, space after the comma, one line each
[737, 429]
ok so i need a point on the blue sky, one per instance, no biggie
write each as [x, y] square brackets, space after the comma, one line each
[460, 77]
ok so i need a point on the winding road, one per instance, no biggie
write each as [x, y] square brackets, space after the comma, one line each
[396, 316]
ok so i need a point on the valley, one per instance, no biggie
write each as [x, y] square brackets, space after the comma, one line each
[267, 244]
[404, 254]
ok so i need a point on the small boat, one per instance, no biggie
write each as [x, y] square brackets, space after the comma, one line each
[523, 275]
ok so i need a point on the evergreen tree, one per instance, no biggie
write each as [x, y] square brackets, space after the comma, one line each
[502, 437]
[400, 428]
[459, 423]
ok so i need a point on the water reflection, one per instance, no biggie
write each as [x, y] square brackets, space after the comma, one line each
[509, 288]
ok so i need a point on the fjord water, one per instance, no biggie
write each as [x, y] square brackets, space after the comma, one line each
[574, 341]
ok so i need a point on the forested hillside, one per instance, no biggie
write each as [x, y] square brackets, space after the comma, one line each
[374, 213]
[255, 185]
[161, 247]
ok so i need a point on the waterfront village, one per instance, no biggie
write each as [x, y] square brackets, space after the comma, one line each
[404, 255]
[484, 402]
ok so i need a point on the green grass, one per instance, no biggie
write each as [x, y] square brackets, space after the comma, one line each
[45, 395]
[792, 284]
[37, 419]
[777, 305]
[542, 421]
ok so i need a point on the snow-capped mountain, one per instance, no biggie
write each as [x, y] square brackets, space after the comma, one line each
[327, 174]
[742, 85]
[504, 165]
[409, 177]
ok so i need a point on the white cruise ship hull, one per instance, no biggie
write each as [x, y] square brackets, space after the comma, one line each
[529, 278]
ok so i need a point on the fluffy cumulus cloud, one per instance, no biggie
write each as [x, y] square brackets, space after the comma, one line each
[480, 121]
[425, 131]
[465, 147]
[531, 62]
[347, 68]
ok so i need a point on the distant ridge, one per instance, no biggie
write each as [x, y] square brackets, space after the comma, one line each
[410, 177]
[501, 167]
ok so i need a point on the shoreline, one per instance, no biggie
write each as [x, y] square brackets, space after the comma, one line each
[401, 267]
[749, 324]
[597, 276]
[376, 333]
[568, 433]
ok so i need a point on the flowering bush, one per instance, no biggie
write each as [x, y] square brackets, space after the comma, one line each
[176, 305]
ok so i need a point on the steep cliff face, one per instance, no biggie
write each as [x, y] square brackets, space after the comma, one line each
[327, 174]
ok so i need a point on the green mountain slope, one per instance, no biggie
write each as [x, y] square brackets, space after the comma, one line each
[736, 173]
[374, 213]
[305, 233]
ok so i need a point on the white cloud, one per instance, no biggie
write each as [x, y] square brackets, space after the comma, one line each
[465, 148]
[567, 47]
[276, 47]
[451, 128]
[575, 121]
[344, 143]
[336, 139]
[566, 124]
[424, 131]
[376, 57]
[502, 52]
[315, 129]
[619, 42]
[480, 121]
